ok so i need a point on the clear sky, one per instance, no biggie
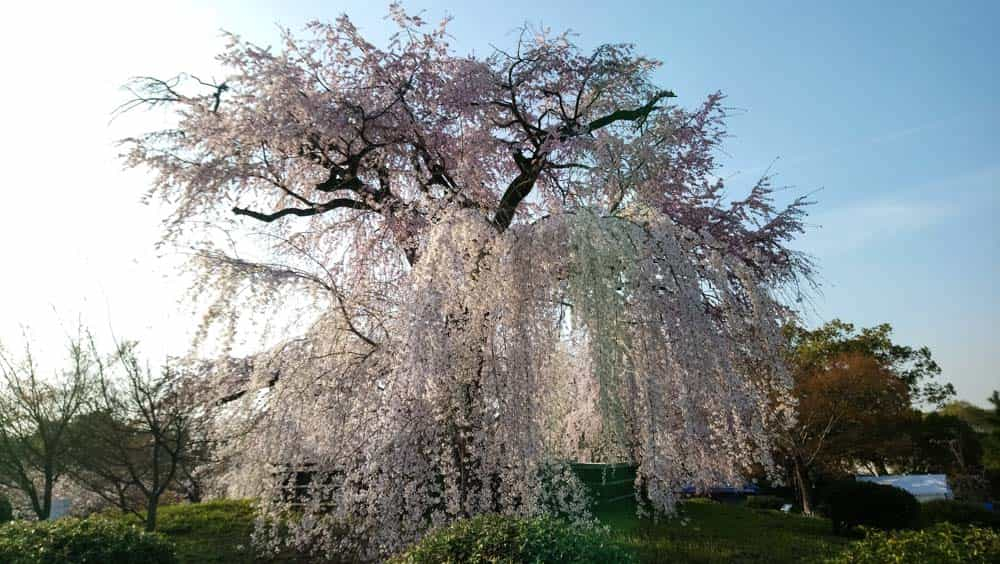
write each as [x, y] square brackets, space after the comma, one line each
[888, 109]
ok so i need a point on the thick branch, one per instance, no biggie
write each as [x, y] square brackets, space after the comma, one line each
[637, 114]
[517, 191]
[304, 212]
[522, 185]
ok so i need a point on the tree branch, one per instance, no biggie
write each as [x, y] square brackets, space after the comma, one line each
[336, 203]
[638, 114]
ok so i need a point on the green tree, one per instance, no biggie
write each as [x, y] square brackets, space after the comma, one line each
[944, 444]
[813, 349]
[856, 391]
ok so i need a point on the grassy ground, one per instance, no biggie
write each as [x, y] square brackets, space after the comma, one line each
[716, 532]
[219, 532]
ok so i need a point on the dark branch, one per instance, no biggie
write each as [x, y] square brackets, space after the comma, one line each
[532, 167]
[304, 212]
[638, 114]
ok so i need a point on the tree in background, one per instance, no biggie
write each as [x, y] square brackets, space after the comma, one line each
[944, 444]
[986, 424]
[851, 412]
[857, 391]
[813, 349]
[137, 436]
[35, 420]
[468, 229]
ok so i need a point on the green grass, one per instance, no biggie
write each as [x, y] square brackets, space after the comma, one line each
[717, 532]
[213, 532]
[210, 532]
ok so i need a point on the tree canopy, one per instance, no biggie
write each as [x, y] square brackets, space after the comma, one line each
[505, 253]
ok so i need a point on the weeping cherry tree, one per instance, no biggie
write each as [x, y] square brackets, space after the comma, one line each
[513, 261]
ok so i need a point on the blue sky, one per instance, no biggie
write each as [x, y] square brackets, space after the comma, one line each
[888, 110]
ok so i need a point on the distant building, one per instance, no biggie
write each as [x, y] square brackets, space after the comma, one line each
[924, 487]
[60, 507]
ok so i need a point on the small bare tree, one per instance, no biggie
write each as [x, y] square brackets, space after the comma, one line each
[139, 435]
[35, 422]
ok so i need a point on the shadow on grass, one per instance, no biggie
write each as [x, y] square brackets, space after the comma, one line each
[705, 531]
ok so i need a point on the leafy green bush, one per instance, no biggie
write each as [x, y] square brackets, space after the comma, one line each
[6, 510]
[497, 539]
[871, 505]
[941, 544]
[958, 513]
[70, 541]
[765, 502]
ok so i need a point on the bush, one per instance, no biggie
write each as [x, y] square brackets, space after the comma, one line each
[871, 505]
[493, 538]
[941, 544]
[958, 513]
[70, 541]
[765, 502]
[970, 487]
[6, 510]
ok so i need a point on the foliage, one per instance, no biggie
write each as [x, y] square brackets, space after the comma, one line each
[852, 411]
[498, 254]
[943, 444]
[958, 513]
[494, 538]
[855, 390]
[814, 349]
[941, 544]
[981, 420]
[970, 487]
[866, 504]
[6, 509]
[765, 502]
[70, 541]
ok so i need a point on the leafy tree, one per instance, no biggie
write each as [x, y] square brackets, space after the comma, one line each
[944, 444]
[982, 420]
[857, 390]
[496, 248]
[852, 411]
[813, 349]
[35, 417]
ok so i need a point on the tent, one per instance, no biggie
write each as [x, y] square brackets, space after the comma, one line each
[924, 487]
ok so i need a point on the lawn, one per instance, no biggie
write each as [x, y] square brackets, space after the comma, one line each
[219, 532]
[716, 532]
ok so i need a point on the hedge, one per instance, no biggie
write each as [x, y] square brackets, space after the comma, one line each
[73, 541]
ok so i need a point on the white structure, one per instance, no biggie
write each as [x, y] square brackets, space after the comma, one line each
[60, 507]
[924, 487]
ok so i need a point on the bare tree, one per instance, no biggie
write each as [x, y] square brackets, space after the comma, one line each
[138, 435]
[35, 418]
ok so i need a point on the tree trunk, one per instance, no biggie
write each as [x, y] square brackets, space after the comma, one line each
[46, 511]
[803, 484]
[152, 504]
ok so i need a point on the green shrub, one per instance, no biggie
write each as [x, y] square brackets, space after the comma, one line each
[70, 541]
[497, 539]
[958, 513]
[6, 510]
[765, 502]
[871, 505]
[941, 544]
